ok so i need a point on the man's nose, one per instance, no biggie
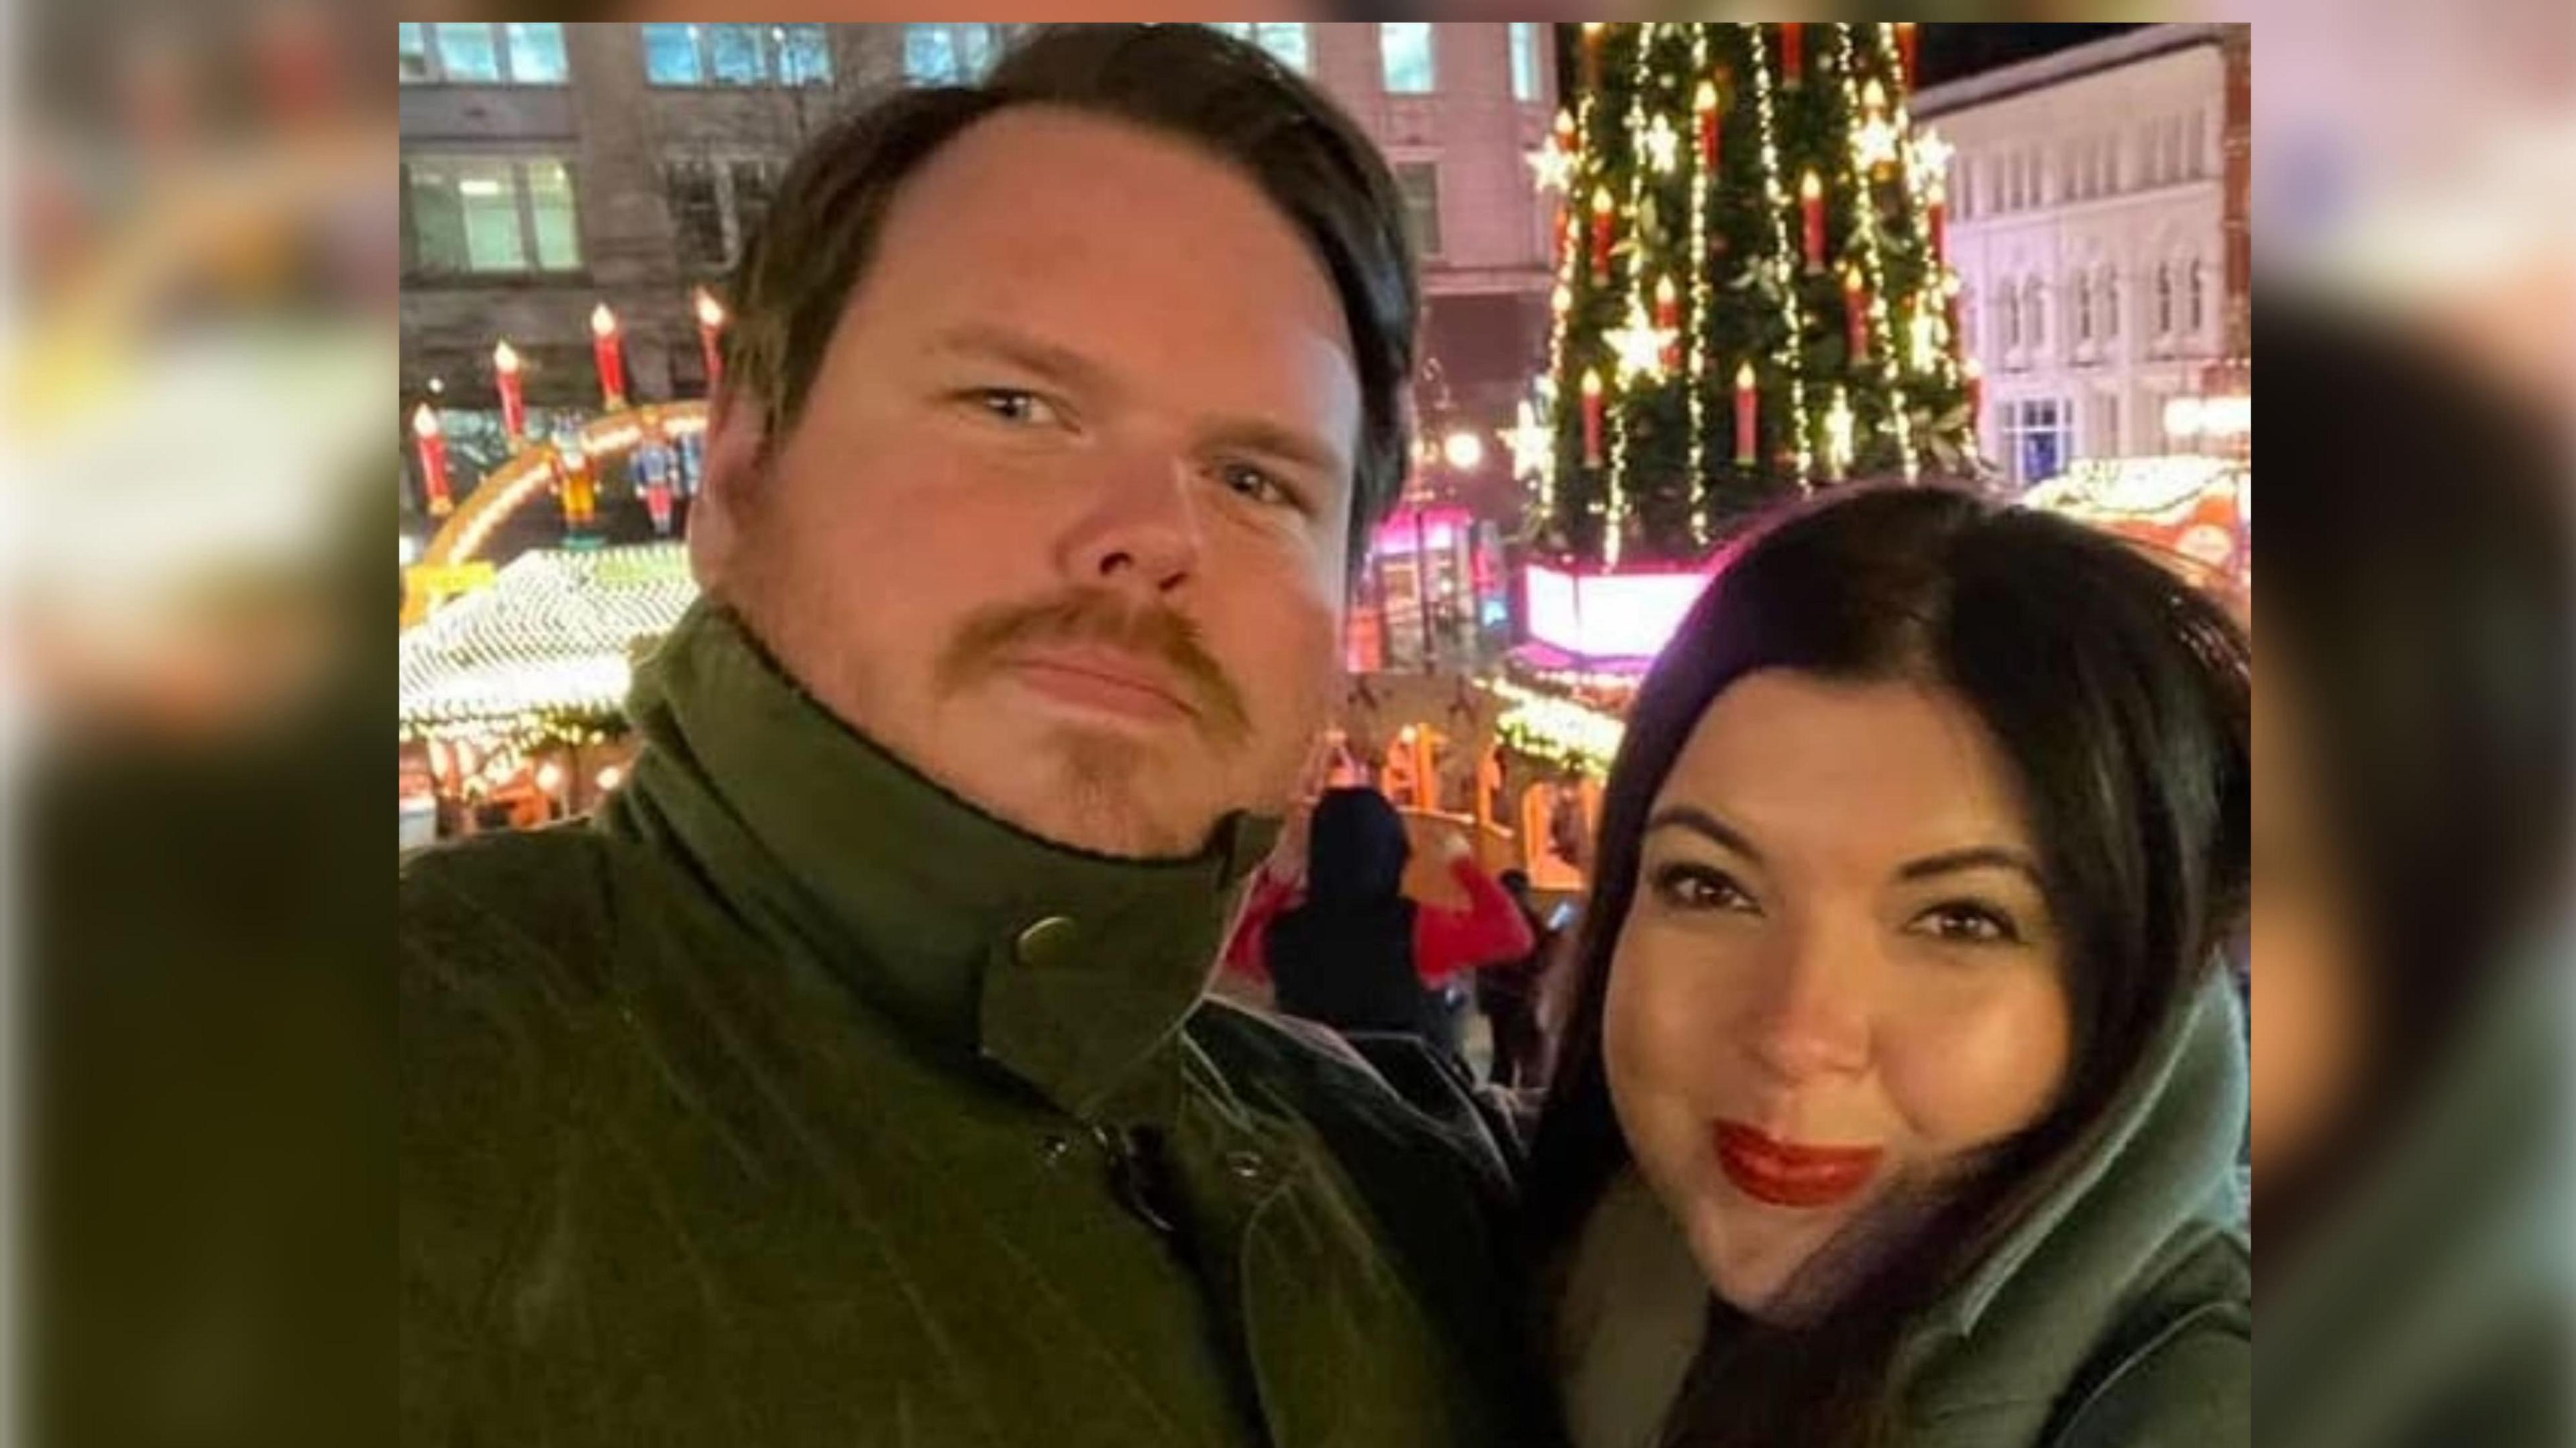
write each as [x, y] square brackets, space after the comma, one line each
[1141, 533]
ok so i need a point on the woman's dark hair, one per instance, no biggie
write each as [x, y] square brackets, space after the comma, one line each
[2121, 698]
[1223, 95]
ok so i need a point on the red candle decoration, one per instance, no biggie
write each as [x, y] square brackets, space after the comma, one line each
[607, 351]
[431, 440]
[711, 320]
[1793, 52]
[1592, 57]
[1906, 43]
[514, 397]
[1936, 218]
[1601, 226]
[1668, 319]
[1704, 105]
[1855, 312]
[1811, 202]
[1748, 412]
[1591, 418]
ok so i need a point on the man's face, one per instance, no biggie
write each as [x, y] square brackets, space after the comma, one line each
[1063, 523]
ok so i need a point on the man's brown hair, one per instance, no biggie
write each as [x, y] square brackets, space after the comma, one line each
[1187, 81]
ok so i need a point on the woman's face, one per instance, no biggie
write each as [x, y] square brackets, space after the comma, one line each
[1839, 977]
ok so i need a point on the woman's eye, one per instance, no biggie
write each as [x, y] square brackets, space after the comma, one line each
[1968, 922]
[1698, 887]
[1021, 409]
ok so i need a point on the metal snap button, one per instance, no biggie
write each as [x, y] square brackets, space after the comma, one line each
[1048, 942]
[1245, 1166]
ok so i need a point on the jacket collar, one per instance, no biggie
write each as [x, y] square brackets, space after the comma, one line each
[1067, 969]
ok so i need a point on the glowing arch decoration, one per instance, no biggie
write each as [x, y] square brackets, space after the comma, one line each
[532, 472]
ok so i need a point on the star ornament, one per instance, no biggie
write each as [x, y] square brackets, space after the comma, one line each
[1532, 444]
[1639, 345]
[1663, 144]
[1928, 160]
[1554, 166]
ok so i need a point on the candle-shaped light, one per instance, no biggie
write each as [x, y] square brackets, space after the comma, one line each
[514, 397]
[1793, 52]
[1592, 56]
[711, 321]
[1811, 206]
[1747, 414]
[431, 441]
[1601, 231]
[1591, 418]
[1668, 320]
[1704, 105]
[608, 351]
[1855, 311]
[1906, 48]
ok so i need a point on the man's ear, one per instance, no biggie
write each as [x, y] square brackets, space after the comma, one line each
[736, 447]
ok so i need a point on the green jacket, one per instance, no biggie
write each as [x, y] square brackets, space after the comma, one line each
[794, 1101]
[2117, 1315]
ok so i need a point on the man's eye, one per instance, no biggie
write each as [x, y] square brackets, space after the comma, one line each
[1259, 486]
[1023, 409]
[1699, 887]
[1967, 922]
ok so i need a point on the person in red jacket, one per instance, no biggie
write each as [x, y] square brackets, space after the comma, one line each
[1346, 948]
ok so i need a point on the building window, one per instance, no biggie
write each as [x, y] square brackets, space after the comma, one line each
[1525, 60]
[736, 55]
[2007, 318]
[1420, 183]
[1405, 49]
[1968, 320]
[804, 55]
[1284, 40]
[2035, 439]
[2110, 304]
[2196, 285]
[717, 206]
[948, 54]
[2081, 306]
[2164, 299]
[482, 54]
[2034, 306]
[490, 214]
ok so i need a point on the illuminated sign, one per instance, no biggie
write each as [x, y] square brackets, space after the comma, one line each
[1608, 615]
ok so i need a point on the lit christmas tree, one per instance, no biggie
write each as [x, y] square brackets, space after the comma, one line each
[1750, 299]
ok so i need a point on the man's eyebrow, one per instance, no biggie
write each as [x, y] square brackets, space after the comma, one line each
[1288, 444]
[1052, 361]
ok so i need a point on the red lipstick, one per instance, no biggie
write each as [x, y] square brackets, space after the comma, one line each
[1787, 1174]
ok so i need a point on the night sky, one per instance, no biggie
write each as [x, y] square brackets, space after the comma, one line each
[1952, 51]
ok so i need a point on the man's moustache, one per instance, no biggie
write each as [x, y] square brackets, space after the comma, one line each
[1156, 634]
